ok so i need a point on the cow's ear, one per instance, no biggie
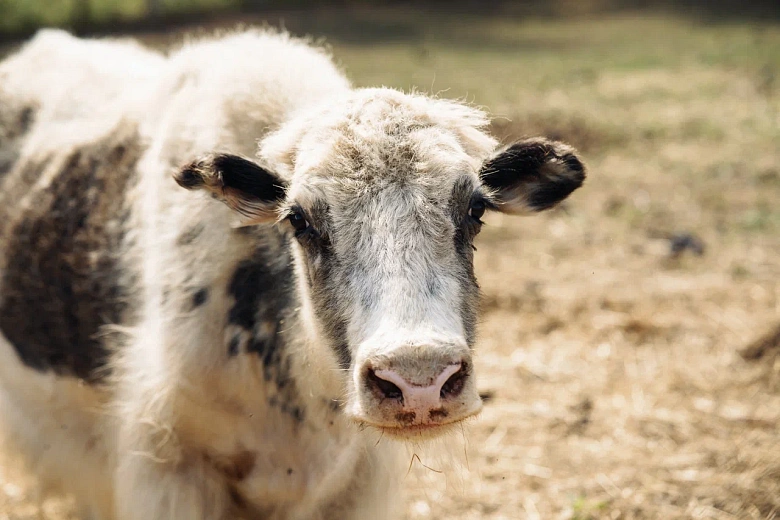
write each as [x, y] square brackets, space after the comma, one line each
[244, 186]
[532, 175]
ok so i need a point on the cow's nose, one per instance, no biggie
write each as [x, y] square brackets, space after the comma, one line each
[415, 388]
[418, 398]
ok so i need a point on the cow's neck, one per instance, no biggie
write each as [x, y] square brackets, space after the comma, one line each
[316, 350]
[299, 366]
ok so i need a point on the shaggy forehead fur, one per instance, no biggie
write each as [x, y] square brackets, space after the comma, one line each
[371, 137]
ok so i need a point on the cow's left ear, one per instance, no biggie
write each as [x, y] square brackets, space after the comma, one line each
[244, 186]
[532, 175]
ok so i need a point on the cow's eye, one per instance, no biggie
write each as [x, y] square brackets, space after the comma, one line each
[477, 209]
[298, 221]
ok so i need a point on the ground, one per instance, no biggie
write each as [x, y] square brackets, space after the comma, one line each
[613, 364]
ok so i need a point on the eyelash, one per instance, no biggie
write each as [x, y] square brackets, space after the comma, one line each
[477, 209]
[298, 221]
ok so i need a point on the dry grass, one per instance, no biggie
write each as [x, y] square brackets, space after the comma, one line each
[618, 389]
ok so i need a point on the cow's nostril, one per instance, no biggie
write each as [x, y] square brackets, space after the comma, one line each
[385, 387]
[454, 385]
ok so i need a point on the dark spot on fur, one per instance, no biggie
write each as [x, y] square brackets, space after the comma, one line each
[190, 235]
[200, 297]
[242, 508]
[289, 471]
[240, 465]
[14, 126]
[124, 216]
[432, 285]
[294, 411]
[265, 343]
[262, 289]
[297, 413]
[236, 498]
[26, 119]
[244, 283]
[246, 230]
[62, 280]
[233, 346]
[487, 395]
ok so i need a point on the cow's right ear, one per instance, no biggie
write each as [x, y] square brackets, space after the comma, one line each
[532, 175]
[244, 186]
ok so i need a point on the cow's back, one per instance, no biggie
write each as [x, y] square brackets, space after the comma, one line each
[90, 131]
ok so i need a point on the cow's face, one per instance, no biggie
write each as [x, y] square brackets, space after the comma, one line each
[385, 194]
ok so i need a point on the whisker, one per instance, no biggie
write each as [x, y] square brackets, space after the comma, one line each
[415, 456]
[412, 462]
[465, 446]
[430, 468]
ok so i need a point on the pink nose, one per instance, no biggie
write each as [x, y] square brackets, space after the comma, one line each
[417, 398]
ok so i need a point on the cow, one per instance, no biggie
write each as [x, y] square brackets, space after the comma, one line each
[224, 271]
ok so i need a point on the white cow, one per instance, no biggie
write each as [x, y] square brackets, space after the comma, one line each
[227, 350]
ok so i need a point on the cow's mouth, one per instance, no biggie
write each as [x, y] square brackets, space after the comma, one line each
[419, 431]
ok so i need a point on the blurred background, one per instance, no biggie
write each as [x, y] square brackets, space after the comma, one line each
[630, 343]
[21, 17]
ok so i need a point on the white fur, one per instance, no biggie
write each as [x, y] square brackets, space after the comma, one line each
[69, 78]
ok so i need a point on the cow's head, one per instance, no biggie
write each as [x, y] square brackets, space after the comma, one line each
[385, 193]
